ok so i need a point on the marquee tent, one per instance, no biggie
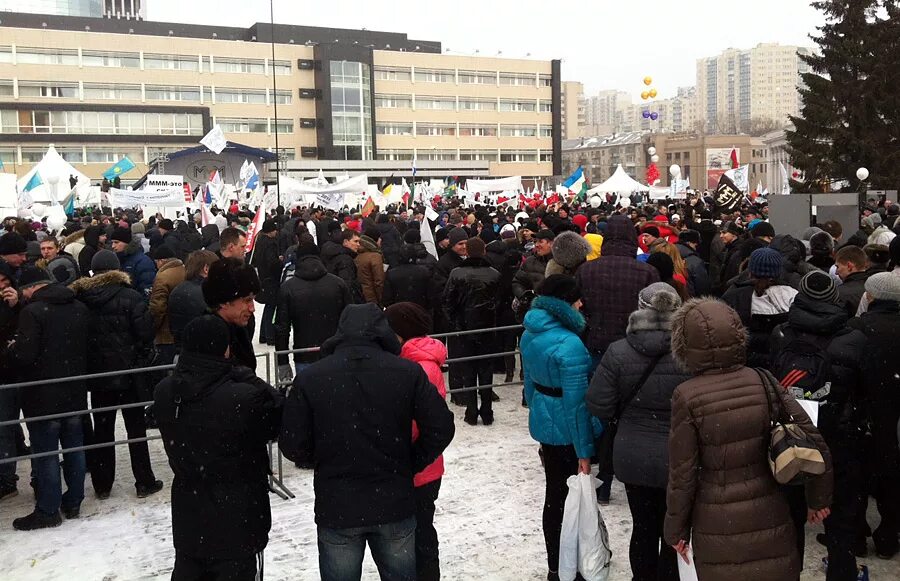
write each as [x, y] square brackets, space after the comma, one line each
[619, 183]
[52, 166]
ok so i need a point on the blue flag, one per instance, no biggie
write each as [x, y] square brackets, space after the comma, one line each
[1, 165]
[574, 177]
[34, 182]
[207, 197]
[69, 208]
[124, 165]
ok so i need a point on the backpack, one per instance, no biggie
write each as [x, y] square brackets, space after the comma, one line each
[803, 368]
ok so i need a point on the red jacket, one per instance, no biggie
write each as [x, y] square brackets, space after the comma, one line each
[430, 354]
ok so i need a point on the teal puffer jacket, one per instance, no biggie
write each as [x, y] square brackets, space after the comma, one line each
[554, 356]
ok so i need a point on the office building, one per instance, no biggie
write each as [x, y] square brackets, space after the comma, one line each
[572, 107]
[118, 9]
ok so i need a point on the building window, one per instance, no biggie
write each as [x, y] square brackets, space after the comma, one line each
[120, 92]
[171, 62]
[8, 156]
[507, 155]
[478, 155]
[434, 76]
[48, 89]
[104, 155]
[9, 121]
[545, 131]
[284, 153]
[477, 78]
[546, 156]
[236, 65]
[436, 154]
[394, 128]
[392, 74]
[477, 104]
[545, 80]
[518, 79]
[283, 125]
[281, 67]
[351, 110]
[250, 96]
[436, 103]
[395, 154]
[243, 125]
[477, 130]
[436, 129]
[526, 106]
[393, 101]
[168, 93]
[119, 60]
[6, 88]
[6, 54]
[283, 97]
[44, 56]
[545, 107]
[518, 131]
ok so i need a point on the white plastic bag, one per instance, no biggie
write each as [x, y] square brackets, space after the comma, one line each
[687, 572]
[584, 541]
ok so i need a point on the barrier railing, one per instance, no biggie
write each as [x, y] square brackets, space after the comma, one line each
[276, 460]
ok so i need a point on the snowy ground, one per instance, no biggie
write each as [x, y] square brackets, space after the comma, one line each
[488, 518]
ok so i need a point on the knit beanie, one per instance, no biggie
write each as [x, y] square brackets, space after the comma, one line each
[457, 235]
[884, 286]
[229, 279]
[659, 296]
[138, 228]
[121, 235]
[32, 275]
[810, 232]
[821, 243]
[408, 320]
[766, 263]
[663, 264]
[762, 229]
[12, 243]
[819, 286]
[560, 286]
[103, 261]
[474, 247]
[206, 335]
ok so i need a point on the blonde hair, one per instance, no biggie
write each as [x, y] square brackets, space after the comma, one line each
[661, 245]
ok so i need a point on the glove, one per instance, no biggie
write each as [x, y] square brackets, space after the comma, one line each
[284, 374]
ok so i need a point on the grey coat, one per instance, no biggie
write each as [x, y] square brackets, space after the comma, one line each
[640, 453]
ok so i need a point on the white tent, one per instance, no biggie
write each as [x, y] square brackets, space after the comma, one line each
[619, 183]
[51, 167]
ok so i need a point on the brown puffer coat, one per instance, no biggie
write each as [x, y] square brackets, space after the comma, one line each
[721, 493]
[170, 275]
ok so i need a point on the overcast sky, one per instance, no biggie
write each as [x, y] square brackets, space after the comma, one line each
[606, 44]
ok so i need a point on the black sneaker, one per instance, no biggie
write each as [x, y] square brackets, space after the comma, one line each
[71, 513]
[143, 490]
[472, 421]
[37, 520]
[8, 491]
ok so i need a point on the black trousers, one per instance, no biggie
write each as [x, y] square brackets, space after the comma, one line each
[560, 462]
[428, 564]
[477, 373]
[102, 461]
[651, 558]
[455, 370]
[189, 568]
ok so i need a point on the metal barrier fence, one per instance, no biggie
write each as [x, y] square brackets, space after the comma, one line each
[276, 463]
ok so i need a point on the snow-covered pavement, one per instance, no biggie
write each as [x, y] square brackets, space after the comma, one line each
[488, 518]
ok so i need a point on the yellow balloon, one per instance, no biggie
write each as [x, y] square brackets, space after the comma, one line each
[648, 81]
[653, 93]
[645, 95]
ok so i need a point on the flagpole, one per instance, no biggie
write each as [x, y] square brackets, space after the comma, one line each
[275, 103]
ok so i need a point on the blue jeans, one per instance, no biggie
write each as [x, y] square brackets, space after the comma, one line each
[46, 437]
[9, 410]
[393, 548]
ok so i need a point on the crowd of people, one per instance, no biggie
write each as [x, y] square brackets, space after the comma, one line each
[651, 319]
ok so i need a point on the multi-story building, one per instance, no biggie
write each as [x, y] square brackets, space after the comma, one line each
[704, 158]
[572, 107]
[603, 111]
[119, 9]
[750, 90]
[599, 156]
[99, 89]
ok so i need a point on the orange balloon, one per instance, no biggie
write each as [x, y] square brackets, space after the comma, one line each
[648, 81]
[645, 95]
[653, 93]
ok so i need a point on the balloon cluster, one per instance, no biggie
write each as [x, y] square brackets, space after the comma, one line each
[649, 94]
[652, 170]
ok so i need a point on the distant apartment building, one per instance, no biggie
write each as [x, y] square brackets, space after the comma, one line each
[118, 9]
[572, 107]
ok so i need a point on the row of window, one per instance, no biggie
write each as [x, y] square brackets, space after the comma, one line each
[502, 155]
[385, 101]
[132, 60]
[496, 78]
[70, 90]
[101, 154]
[255, 125]
[99, 122]
[462, 129]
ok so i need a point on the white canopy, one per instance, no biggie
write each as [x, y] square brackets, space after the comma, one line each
[619, 183]
[52, 166]
[498, 185]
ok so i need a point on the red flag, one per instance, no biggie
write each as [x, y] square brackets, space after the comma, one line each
[254, 228]
[502, 199]
[734, 159]
[552, 199]
[368, 207]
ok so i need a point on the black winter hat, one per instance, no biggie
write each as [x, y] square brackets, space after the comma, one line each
[819, 286]
[689, 237]
[229, 279]
[545, 234]
[457, 235]
[762, 229]
[207, 335]
[122, 235]
[12, 243]
[104, 261]
[166, 224]
[408, 320]
[269, 226]
[662, 262]
[412, 236]
[7, 271]
[307, 249]
[162, 253]
[560, 286]
[31, 276]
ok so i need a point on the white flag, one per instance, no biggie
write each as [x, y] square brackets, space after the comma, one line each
[215, 140]
[741, 177]
[427, 235]
[785, 182]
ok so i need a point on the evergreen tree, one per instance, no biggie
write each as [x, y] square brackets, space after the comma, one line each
[849, 118]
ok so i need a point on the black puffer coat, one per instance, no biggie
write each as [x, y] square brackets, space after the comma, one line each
[471, 297]
[530, 275]
[391, 241]
[210, 238]
[186, 303]
[268, 266]
[51, 343]
[311, 303]
[408, 281]
[121, 327]
[423, 258]
[640, 454]
[505, 258]
[215, 439]
[445, 266]
[698, 278]
[339, 261]
[91, 246]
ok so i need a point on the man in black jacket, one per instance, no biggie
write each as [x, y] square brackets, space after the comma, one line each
[311, 303]
[470, 302]
[215, 419]
[267, 261]
[531, 274]
[49, 344]
[9, 398]
[362, 449]
[850, 263]
[338, 254]
[408, 281]
[454, 257]
[698, 277]
[229, 290]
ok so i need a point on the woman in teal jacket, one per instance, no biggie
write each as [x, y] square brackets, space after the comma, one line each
[556, 380]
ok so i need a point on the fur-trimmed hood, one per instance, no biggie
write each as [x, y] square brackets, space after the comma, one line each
[707, 335]
[108, 278]
[547, 312]
[73, 237]
[570, 249]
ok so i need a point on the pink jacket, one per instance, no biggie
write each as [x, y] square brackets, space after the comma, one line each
[430, 354]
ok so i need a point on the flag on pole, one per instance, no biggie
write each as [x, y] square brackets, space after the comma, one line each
[734, 159]
[427, 235]
[576, 183]
[740, 177]
[728, 196]
[785, 182]
[255, 227]
[122, 166]
[215, 140]
[69, 204]
[34, 182]
[252, 178]
[368, 207]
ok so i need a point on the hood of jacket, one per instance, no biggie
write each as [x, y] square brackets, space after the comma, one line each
[650, 330]
[707, 335]
[366, 244]
[331, 250]
[570, 249]
[363, 325]
[620, 238]
[55, 294]
[134, 247]
[209, 234]
[196, 374]
[92, 236]
[789, 247]
[816, 317]
[100, 289]
[73, 237]
[171, 263]
[422, 349]
[549, 312]
[310, 267]
[496, 247]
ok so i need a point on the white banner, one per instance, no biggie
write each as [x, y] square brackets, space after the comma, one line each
[140, 198]
[330, 201]
[163, 183]
[353, 185]
[498, 185]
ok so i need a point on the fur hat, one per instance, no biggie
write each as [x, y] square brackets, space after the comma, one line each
[229, 279]
[570, 249]
[659, 296]
[689, 237]
[408, 320]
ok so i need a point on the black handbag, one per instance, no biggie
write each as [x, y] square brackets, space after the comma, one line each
[604, 445]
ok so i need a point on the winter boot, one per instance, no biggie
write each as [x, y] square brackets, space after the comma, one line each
[145, 490]
[37, 520]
